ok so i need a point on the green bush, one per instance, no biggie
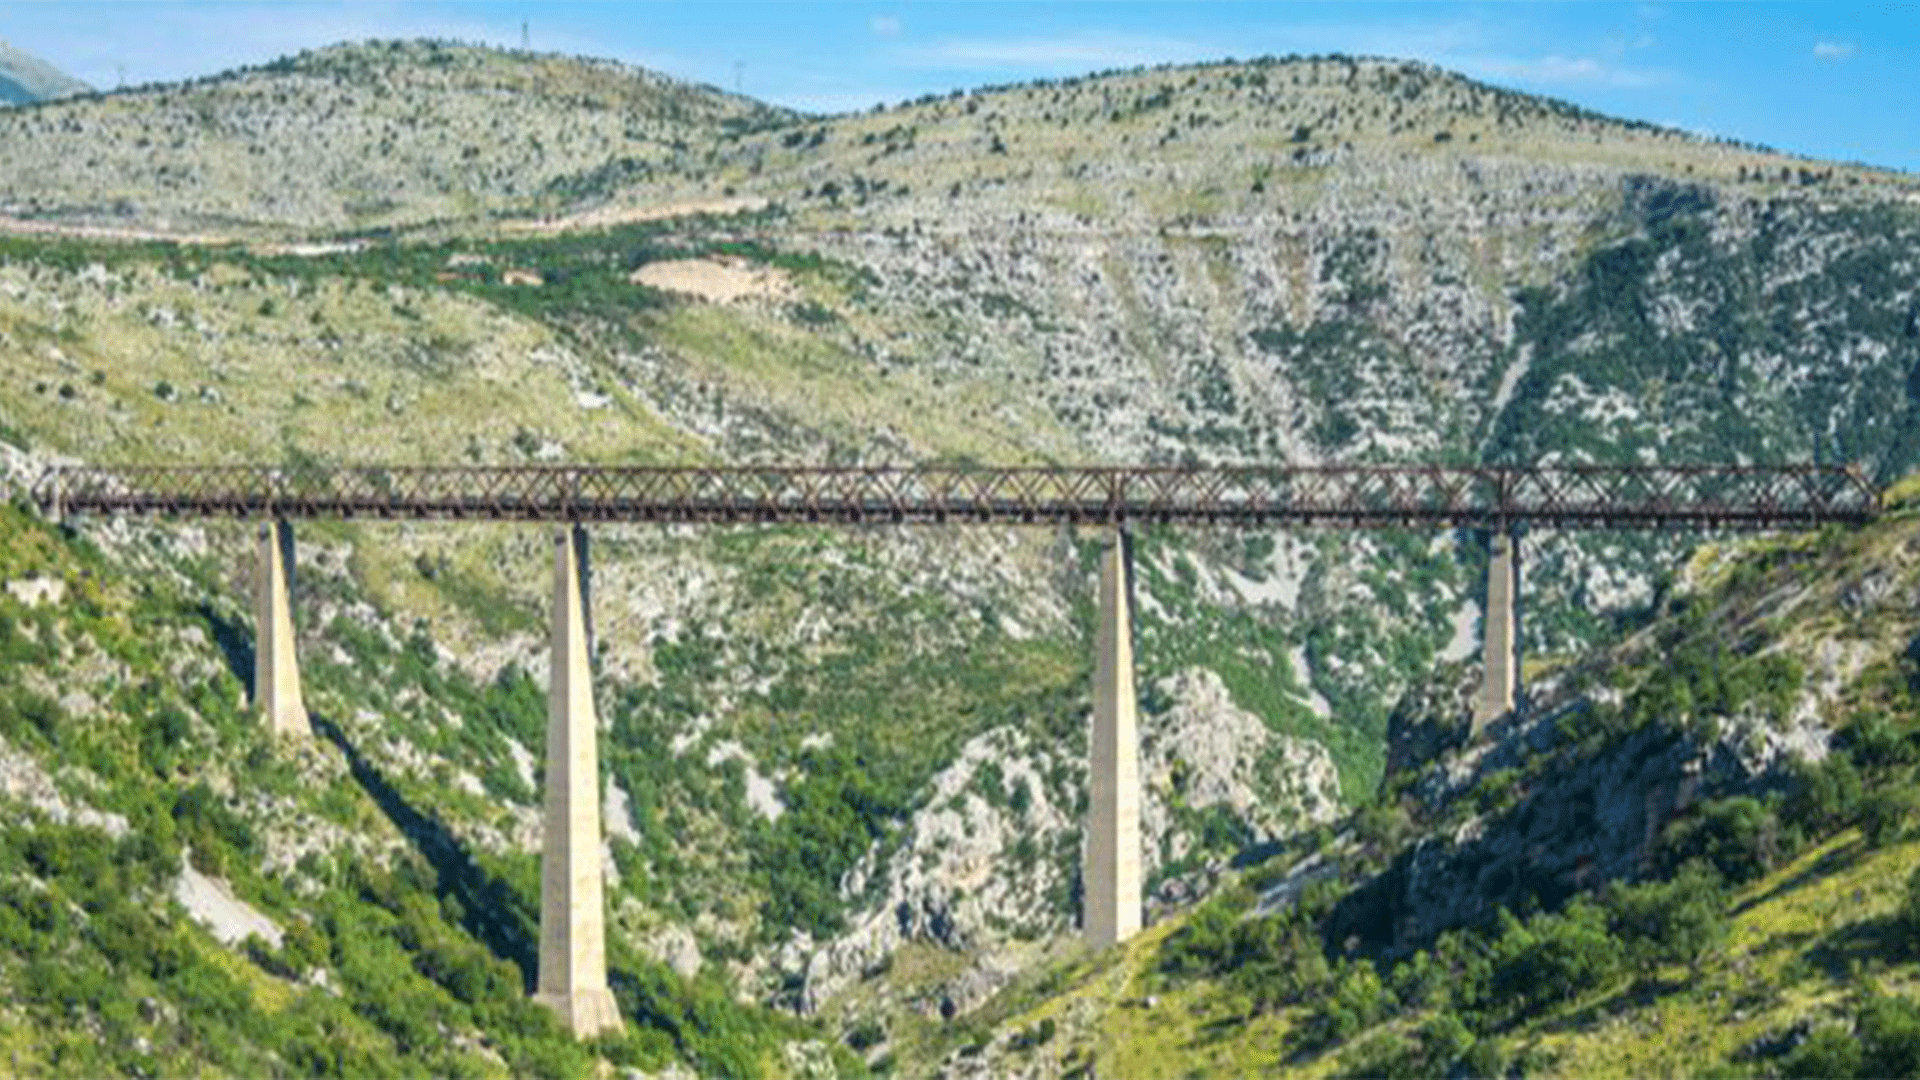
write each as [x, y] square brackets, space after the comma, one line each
[1826, 796]
[1270, 961]
[1876, 741]
[1886, 813]
[1739, 837]
[1550, 959]
[1441, 1046]
[1884, 1042]
[833, 815]
[1907, 918]
[1352, 1001]
[1678, 921]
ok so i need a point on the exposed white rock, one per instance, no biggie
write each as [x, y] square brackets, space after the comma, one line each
[22, 780]
[35, 591]
[675, 946]
[616, 814]
[1303, 671]
[1206, 751]
[1465, 641]
[996, 842]
[954, 878]
[211, 901]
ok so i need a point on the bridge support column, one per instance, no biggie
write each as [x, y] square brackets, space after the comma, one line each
[1111, 879]
[276, 669]
[573, 959]
[1501, 679]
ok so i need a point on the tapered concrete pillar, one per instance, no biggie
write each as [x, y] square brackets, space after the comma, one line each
[276, 670]
[1501, 678]
[1111, 878]
[573, 957]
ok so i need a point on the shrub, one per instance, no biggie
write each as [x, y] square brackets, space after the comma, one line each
[1876, 742]
[1888, 1028]
[1551, 959]
[1907, 919]
[1886, 813]
[1739, 837]
[1355, 1001]
[1442, 1046]
[1826, 796]
[1885, 1042]
[1670, 922]
[1828, 1055]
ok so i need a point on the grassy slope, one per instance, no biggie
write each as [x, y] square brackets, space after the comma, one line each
[1802, 940]
[373, 355]
[410, 933]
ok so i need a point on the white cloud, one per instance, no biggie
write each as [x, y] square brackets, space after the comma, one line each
[1833, 50]
[1069, 53]
[884, 25]
[1562, 71]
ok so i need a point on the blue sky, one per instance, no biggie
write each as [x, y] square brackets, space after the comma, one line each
[1825, 79]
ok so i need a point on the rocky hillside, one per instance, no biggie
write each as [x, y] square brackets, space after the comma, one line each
[25, 78]
[845, 768]
[1695, 855]
[356, 136]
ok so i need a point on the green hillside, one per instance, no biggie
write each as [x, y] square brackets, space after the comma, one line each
[845, 769]
[1772, 927]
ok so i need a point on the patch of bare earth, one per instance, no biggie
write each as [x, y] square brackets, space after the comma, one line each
[720, 281]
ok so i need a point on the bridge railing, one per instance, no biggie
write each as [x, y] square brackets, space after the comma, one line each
[1573, 496]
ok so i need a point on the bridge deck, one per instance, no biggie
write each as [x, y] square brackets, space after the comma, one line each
[1673, 497]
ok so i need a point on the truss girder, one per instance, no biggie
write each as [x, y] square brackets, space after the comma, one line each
[1370, 496]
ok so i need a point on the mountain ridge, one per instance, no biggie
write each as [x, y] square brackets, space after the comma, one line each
[823, 748]
[25, 79]
[1266, 119]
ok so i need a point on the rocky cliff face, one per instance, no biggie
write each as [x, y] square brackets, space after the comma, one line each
[1583, 785]
[835, 750]
[993, 857]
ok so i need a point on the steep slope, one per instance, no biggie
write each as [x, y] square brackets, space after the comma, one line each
[809, 732]
[355, 136]
[845, 769]
[1695, 856]
[179, 894]
[25, 78]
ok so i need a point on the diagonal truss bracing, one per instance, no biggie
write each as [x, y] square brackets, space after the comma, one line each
[1359, 496]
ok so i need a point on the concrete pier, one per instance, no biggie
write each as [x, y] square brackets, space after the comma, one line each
[276, 669]
[573, 958]
[1501, 680]
[1111, 879]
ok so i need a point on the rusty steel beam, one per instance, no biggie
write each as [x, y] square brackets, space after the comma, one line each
[1358, 496]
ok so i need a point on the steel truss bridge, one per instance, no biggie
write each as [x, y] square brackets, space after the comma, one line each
[1343, 496]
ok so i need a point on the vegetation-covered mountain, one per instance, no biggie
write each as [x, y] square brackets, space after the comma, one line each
[1695, 856]
[845, 769]
[357, 136]
[26, 78]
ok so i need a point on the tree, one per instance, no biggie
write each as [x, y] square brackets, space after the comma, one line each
[1551, 959]
[1826, 797]
[1886, 813]
[1670, 922]
[1739, 837]
[1907, 919]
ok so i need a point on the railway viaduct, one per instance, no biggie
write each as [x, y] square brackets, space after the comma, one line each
[1500, 503]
